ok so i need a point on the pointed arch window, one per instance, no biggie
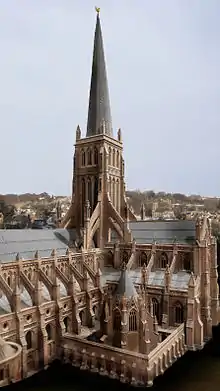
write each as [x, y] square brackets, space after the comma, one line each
[117, 159]
[95, 156]
[66, 324]
[83, 191]
[110, 258]
[133, 320]
[125, 256]
[49, 331]
[163, 260]
[89, 188]
[96, 190]
[186, 262]
[110, 156]
[89, 157]
[117, 320]
[29, 340]
[178, 313]
[155, 307]
[83, 157]
[142, 259]
[83, 188]
[113, 157]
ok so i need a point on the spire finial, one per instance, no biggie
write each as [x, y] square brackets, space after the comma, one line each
[97, 10]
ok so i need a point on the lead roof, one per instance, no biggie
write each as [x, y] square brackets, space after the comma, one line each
[27, 241]
[164, 232]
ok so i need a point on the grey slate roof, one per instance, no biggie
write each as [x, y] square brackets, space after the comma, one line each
[99, 115]
[125, 285]
[27, 241]
[166, 232]
[179, 280]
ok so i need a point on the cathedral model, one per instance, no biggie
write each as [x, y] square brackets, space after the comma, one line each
[106, 292]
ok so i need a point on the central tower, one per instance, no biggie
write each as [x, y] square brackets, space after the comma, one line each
[98, 194]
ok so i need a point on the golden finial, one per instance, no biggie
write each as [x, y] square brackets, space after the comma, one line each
[97, 10]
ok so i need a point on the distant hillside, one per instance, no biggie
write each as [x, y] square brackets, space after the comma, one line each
[14, 199]
[135, 199]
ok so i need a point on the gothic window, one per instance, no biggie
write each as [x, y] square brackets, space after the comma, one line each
[96, 190]
[113, 191]
[66, 324]
[113, 157]
[178, 313]
[125, 256]
[142, 258]
[49, 331]
[95, 156]
[29, 340]
[83, 197]
[117, 320]
[9, 280]
[1, 374]
[155, 308]
[117, 159]
[186, 262]
[163, 261]
[83, 158]
[110, 259]
[89, 184]
[132, 320]
[110, 156]
[89, 157]
[96, 312]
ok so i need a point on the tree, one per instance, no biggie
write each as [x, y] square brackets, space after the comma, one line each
[8, 211]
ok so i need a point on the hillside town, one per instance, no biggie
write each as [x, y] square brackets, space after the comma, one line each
[46, 211]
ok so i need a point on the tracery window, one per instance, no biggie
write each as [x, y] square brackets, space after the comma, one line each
[132, 320]
[178, 313]
[117, 320]
[155, 308]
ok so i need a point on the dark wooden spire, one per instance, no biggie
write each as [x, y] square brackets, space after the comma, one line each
[99, 115]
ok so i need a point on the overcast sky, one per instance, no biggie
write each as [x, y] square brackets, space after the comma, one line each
[163, 62]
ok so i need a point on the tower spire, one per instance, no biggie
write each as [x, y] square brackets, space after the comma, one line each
[99, 104]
